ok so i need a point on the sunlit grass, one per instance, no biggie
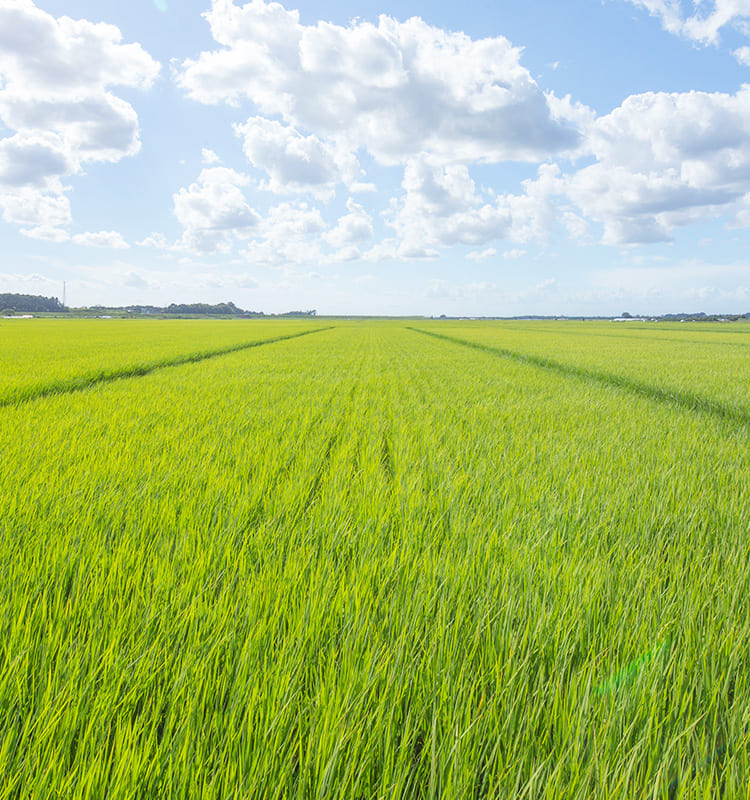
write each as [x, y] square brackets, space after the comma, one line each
[708, 360]
[42, 357]
[368, 563]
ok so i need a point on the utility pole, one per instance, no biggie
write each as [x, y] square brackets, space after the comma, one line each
[63, 294]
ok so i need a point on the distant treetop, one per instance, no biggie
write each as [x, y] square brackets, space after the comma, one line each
[30, 303]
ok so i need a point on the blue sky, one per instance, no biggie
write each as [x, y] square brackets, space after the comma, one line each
[468, 158]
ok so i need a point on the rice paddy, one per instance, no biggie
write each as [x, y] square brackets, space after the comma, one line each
[374, 559]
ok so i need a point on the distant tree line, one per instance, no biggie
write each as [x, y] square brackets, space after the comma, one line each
[700, 316]
[205, 309]
[221, 309]
[30, 303]
[36, 304]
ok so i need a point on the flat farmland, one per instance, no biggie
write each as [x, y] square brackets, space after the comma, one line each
[374, 559]
[49, 356]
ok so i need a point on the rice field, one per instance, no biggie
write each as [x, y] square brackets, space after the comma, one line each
[374, 559]
[49, 356]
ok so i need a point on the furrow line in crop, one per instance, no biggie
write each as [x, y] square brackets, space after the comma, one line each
[314, 490]
[386, 455]
[325, 461]
[647, 337]
[287, 466]
[82, 382]
[675, 397]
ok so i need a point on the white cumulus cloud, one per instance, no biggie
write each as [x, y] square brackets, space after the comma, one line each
[481, 255]
[214, 211]
[209, 157]
[442, 207]
[101, 239]
[705, 24]
[351, 229]
[666, 160]
[296, 162]
[289, 234]
[55, 98]
[395, 89]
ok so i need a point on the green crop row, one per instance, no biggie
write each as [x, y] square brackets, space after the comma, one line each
[371, 563]
[41, 357]
[691, 361]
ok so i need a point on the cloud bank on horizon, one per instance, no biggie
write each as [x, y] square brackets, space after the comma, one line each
[367, 142]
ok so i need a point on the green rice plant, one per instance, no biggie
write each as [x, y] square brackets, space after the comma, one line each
[704, 364]
[370, 563]
[44, 357]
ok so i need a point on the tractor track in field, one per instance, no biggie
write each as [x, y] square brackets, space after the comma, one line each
[675, 397]
[325, 461]
[633, 337]
[386, 456]
[257, 511]
[80, 383]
